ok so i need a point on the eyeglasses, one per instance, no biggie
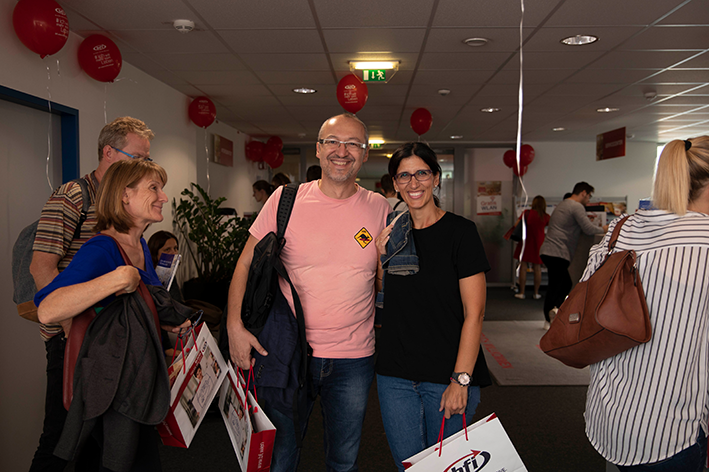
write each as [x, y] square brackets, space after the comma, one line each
[404, 178]
[131, 155]
[349, 145]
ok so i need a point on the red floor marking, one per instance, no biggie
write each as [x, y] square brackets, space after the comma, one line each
[497, 355]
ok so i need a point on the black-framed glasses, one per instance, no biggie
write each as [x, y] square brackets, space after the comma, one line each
[131, 155]
[349, 145]
[404, 178]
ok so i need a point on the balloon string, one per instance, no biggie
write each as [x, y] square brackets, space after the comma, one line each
[519, 125]
[206, 153]
[105, 92]
[49, 128]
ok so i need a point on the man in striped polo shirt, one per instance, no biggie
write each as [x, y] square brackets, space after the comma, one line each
[55, 246]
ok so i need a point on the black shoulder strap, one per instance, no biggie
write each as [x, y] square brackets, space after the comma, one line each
[85, 205]
[285, 207]
[397, 205]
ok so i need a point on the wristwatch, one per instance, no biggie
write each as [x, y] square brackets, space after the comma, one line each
[461, 378]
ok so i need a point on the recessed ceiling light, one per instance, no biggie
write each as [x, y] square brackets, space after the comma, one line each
[304, 90]
[607, 110]
[389, 156]
[457, 136]
[301, 135]
[579, 40]
[476, 42]
[489, 110]
[559, 129]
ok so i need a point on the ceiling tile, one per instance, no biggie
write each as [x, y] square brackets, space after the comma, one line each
[171, 41]
[295, 62]
[236, 91]
[154, 15]
[679, 77]
[554, 60]
[376, 40]
[451, 39]
[463, 61]
[609, 76]
[219, 77]
[549, 38]
[296, 78]
[273, 41]
[449, 78]
[640, 59]
[227, 14]
[142, 62]
[671, 37]
[491, 14]
[611, 12]
[373, 13]
[197, 62]
[695, 12]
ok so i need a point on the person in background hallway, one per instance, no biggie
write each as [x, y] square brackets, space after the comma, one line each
[536, 220]
[430, 364]
[313, 173]
[565, 226]
[331, 258]
[54, 247]
[262, 190]
[280, 179]
[646, 408]
[397, 204]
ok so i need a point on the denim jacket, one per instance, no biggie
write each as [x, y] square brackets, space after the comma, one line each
[400, 258]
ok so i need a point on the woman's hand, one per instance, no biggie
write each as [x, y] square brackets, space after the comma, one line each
[454, 400]
[127, 277]
[383, 238]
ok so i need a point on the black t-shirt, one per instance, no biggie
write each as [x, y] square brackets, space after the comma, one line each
[423, 313]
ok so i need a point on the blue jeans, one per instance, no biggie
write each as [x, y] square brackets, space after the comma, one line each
[691, 459]
[411, 418]
[343, 386]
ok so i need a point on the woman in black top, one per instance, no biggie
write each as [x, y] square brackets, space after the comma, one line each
[430, 363]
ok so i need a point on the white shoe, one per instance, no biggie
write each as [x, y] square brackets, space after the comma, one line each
[519, 295]
[552, 313]
[537, 296]
[546, 326]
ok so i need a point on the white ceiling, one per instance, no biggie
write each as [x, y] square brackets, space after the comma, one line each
[247, 56]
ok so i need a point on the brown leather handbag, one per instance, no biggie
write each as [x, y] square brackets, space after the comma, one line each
[603, 316]
[79, 326]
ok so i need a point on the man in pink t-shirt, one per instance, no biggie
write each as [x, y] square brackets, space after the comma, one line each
[331, 259]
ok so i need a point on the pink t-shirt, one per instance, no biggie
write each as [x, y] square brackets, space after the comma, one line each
[331, 258]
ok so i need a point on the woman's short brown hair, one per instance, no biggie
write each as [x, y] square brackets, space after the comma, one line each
[109, 201]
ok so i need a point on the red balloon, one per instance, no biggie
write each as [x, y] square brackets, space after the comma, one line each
[352, 93]
[521, 171]
[41, 25]
[277, 162]
[421, 121]
[526, 154]
[202, 112]
[510, 159]
[275, 142]
[255, 151]
[270, 155]
[100, 58]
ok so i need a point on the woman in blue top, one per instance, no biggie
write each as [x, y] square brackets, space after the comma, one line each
[430, 364]
[129, 198]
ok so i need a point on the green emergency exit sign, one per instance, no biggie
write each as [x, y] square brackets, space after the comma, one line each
[376, 75]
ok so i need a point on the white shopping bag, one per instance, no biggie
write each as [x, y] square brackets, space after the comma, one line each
[251, 432]
[487, 446]
[195, 380]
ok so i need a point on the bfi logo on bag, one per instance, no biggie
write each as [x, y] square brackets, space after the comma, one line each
[472, 462]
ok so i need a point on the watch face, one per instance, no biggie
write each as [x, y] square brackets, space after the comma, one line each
[464, 378]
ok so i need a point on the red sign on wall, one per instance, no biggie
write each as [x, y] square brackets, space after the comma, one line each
[610, 144]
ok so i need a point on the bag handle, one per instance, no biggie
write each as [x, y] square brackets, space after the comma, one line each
[440, 434]
[615, 234]
[249, 378]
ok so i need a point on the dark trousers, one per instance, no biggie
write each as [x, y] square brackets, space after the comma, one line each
[54, 412]
[559, 282]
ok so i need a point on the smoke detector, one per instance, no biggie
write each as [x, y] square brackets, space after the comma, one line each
[650, 96]
[183, 26]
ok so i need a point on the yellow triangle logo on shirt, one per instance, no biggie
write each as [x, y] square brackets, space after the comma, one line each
[363, 237]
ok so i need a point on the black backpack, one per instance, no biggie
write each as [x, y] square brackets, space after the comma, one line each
[24, 286]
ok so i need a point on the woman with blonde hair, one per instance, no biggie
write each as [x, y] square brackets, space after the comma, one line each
[647, 407]
[536, 220]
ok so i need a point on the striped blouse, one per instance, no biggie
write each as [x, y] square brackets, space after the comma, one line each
[647, 404]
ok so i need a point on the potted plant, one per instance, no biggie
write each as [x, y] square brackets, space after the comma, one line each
[217, 239]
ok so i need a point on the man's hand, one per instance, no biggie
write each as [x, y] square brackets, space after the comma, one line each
[454, 400]
[241, 341]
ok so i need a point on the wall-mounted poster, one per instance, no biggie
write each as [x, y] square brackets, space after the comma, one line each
[223, 151]
[610, 144]
[490, 198]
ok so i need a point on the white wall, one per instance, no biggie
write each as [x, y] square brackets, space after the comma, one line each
[176, 147]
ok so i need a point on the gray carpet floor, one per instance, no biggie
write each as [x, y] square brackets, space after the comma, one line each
[544, 423]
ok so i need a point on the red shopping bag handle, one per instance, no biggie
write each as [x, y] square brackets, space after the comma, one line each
[240, 374]
[180, 341]
[440, 434]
